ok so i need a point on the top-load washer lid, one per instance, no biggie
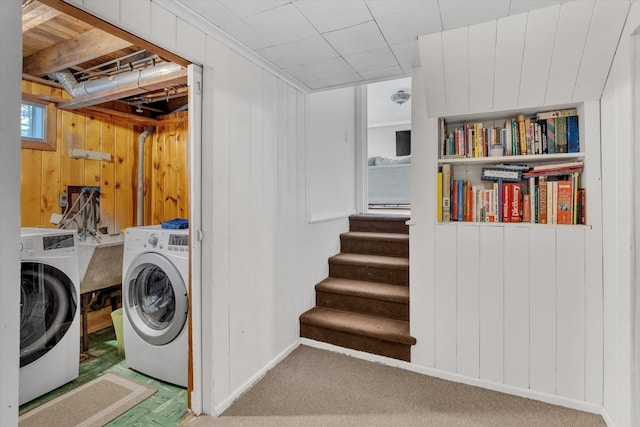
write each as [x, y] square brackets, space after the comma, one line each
[155, 298]
[47, 308]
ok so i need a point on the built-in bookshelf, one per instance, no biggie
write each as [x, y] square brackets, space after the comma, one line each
[522, 167]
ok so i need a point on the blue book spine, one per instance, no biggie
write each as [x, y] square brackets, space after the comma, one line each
[573, 134]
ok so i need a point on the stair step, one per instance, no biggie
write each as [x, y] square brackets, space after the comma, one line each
[386, 244]
[377, 335]
[377, 299]
[379, 223]
[370, 268]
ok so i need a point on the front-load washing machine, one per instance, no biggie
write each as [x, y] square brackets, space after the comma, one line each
[49, 311]
[155, 302]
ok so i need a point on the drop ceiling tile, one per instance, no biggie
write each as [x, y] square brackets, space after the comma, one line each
[246, 35]
[521, 6]
[408, 24]
[277, 57]
[315, 84]
[380, 8]
[460, 13]
[283, 24]
[394, 71]
[212, 11]
[354, 40]
[330, 15]
[245, 8]
[329, 69]
[407, 52]
[372, 60]
[342, 80]
[309, 51]
[301, 74]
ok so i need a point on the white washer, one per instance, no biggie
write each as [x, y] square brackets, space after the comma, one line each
[155, 301]
[49, 311]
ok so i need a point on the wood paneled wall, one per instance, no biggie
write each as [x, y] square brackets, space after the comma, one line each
[46, 174]
[168, 192]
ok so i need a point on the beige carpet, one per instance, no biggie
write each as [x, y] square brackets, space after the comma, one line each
[313, 387]
[90, 405]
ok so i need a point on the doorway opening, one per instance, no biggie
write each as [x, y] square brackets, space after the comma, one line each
[389, 147]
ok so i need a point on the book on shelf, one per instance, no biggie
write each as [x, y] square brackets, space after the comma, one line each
[542, 201]
[446, 192]
[561, 135]
[573, 134]
[526, 208]
[559, 165]
[556, 113]
[565, 202]
[551, 136]
[439, 196]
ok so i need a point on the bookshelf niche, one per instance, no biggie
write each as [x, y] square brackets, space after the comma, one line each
[522, 167]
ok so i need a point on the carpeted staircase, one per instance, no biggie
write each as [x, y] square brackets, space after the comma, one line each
[364, 303]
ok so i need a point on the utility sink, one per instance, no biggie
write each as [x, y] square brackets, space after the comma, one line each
[100, 260]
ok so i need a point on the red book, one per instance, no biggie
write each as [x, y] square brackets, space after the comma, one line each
[506, 201]
[565, 199]
[516, 202]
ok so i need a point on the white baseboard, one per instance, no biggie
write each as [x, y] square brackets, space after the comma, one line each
[607, 418]
[503, 388]
[225, 404]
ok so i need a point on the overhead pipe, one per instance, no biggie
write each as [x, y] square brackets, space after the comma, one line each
[140, 208]
[89, 87]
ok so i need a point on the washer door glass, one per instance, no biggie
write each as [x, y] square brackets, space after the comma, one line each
[48, 303]
[155, 298]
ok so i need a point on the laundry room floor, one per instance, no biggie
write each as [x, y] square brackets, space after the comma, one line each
[164, 408]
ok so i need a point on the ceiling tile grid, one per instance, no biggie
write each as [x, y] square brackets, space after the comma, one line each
[328, 43]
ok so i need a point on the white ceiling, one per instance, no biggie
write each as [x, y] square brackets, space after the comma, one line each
[331, 43]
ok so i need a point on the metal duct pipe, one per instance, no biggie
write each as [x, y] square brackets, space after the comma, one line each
[143, 136]
[75, 89]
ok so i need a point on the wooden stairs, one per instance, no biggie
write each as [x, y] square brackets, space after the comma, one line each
[364, 303]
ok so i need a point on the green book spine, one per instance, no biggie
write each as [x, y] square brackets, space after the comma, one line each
[561, 135]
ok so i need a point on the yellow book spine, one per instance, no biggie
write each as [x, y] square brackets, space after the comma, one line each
[439, 197]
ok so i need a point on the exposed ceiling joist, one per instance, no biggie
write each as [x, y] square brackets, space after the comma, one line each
[71, 10]
[87, 46]
[36, 14]
[123, 91]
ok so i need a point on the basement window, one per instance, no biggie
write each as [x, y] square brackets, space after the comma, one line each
[37, 124]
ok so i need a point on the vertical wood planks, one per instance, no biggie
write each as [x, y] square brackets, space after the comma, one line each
[468, 316]
[446, 299]
[567, 53]
[482, 54]
[431, 55]
[508, 66]
[599, 49]
[455, 50]
[538, 49]
[107, 178]
[571, 312]
[516, 306]
[491, 300]
[542, 292]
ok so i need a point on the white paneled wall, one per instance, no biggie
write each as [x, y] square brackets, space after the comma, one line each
[514, 307]
[261, 257]
[10, 70]
[549, 56]
[619, 177]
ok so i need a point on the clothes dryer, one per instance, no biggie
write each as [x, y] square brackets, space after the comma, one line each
[155, 302]
[49, 311]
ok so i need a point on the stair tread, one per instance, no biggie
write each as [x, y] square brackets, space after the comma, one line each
[369, 235]
[380, 217]
[359, 324]
[363, 289]
[398, 263]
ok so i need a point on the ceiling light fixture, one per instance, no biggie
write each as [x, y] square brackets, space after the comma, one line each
[400, 97]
